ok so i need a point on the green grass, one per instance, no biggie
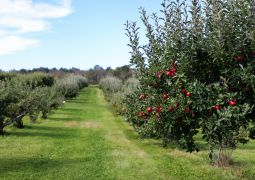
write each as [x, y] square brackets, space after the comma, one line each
[84, 140]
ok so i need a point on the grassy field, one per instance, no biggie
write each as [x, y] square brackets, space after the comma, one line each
[84, 140]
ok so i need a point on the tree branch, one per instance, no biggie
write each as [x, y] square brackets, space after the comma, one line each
[10, 121]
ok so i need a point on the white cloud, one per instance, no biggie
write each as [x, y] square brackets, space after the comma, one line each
[10, 44]
[23, 25]
[20, 17]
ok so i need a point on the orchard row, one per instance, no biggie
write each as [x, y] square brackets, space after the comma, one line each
[33, 95]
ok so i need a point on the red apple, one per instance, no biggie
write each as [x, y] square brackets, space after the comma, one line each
[217, 107]
[169, 73]
[188, 94]
[183, 91]
[232, 102]
[140, 114]
[149, 109]
[165, 95]
[174, 70]
[187, 110]
[159, 109]
[170, 109]
[239, 58]
[142, 96]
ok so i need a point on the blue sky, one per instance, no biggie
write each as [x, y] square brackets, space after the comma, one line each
[65, 33]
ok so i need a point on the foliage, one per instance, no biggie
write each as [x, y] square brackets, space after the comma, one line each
[110, 84]
[49, 98]
[32, 94]
[70, 85]
[196, 72]
[130, 85]
[123, 72]
[115, 91]
[97, 73]
[37, 79]
[6, 76]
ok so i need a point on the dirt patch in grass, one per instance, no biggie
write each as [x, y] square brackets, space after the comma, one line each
[72, 124]
[90, 124]
[83, 124]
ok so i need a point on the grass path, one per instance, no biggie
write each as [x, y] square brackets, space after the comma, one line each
[84, 140]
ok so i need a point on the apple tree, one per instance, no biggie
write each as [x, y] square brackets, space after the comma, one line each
[197, 72]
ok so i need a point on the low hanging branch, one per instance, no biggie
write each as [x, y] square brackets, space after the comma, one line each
[11, 121]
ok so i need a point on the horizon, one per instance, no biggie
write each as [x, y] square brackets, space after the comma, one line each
[68, 68]
[67, 33]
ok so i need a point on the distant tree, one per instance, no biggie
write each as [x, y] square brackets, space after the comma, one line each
[123, 72]
[75, 70]
[108, 68]
[23, 71]
[94, 75]
[41, 69]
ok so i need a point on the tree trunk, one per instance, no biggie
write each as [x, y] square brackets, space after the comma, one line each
[1, 130]
[32, 118]
[223, 159]
[19, 123]
[44, 115]
[219, 158]
[1, 126]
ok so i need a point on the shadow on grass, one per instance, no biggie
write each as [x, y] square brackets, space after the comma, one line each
[45, 131]
[48, 128]
[22, 165]
[40, 165]
[83, 97]
[41, 134]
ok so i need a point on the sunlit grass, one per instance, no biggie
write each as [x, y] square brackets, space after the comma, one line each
[84, 140]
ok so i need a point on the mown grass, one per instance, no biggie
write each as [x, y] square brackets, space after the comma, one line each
[84, 140]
